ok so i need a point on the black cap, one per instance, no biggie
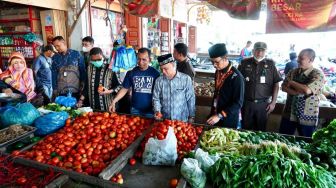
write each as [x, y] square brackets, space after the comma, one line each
[260, 45]
[164, 59]
[217, 50]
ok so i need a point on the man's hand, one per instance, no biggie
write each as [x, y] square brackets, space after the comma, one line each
[270, 107]
[158, 116]
[112, 107]
[8, 91]
[105, 92]
[191, 120]
[79, 103]
[213, 120]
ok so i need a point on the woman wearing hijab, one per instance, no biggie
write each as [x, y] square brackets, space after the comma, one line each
[19, 76]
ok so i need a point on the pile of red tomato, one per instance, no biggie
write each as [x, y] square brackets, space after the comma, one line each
[186, 134]
[89, 143]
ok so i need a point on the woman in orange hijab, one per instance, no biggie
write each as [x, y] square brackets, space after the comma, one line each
[19, 76]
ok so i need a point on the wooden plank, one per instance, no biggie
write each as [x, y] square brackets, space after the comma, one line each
[120, 162]
[74, 175]
[58, 182]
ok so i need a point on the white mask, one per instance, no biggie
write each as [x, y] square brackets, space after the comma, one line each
[259, 59]
[85, 49]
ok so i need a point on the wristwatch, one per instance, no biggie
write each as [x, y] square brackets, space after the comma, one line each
[220, 116]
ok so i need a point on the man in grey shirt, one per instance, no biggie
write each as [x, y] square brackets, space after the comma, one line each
[173, 95]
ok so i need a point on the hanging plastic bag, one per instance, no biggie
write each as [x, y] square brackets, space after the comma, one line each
[50, 123]
[161, 152]
[131, 58]
[205, 160]
[67, 101]
[191, 171]
[23, 114]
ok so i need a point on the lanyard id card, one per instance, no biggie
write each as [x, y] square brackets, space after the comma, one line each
[262, 79]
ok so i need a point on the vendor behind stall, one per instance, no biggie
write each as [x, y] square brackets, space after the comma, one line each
[229, 89]
[173, 94]
[18, 76]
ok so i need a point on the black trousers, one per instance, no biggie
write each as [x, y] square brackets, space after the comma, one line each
[254, 116]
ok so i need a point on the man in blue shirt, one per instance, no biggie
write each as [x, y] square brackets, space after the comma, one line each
[292, 64]
[141, 79]
[173, 94]
[42, 70]
[68, 71]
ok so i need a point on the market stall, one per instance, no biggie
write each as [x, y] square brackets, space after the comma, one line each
[74, 151]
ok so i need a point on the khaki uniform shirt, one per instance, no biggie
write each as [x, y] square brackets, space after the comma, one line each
[259, 78]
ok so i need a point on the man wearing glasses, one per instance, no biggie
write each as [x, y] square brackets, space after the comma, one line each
[229, 89]
[141, 80]
[261, 88]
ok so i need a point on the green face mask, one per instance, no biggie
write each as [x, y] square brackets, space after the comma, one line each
[98, 63]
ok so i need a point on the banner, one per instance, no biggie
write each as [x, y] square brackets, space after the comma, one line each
[142, 8]
[300, 16]
[242, 9]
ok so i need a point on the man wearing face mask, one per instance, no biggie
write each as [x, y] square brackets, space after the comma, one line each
[87, 43]
[102, 83]
[173, 94]
[261, 88]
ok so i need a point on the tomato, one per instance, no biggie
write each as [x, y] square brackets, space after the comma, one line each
[120, 181]
[173, 183]
[55, 160]
[119, 176]
[68, 121]
[15, 152]
[132, 161]
[106, 115]
[39, 159]
[81, 150]
[21, 181]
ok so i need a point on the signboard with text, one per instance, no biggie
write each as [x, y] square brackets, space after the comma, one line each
[300, 16]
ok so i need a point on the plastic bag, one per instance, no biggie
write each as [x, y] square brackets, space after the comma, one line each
[205, 160]
[125, 58]
[191, 171]
[161, 152]
[50, 123]
[23, 114]
[67, 101]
